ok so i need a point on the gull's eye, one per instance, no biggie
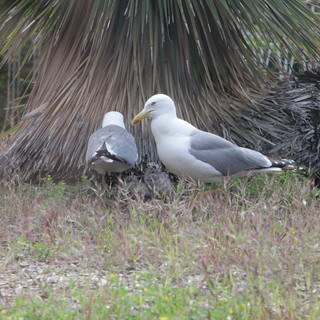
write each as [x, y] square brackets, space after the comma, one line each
[153, 103]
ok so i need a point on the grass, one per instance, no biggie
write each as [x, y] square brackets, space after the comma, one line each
[78, 252]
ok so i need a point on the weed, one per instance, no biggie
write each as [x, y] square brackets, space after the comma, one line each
[82, 252]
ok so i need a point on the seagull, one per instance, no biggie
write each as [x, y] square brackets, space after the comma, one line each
[111, 148]
[157, 180]
[202, 156]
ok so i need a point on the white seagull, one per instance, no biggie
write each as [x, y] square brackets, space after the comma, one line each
[189, 152]
[111, 148]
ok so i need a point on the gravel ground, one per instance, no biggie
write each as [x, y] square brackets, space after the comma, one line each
[27, 277]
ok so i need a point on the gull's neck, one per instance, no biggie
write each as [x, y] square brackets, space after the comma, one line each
[169, 125]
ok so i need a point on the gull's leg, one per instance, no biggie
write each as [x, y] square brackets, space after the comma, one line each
[200, 194]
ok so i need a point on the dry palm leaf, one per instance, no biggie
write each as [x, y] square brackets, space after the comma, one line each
[104, 55]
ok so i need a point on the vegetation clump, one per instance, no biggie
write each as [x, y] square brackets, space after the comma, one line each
[80, 252]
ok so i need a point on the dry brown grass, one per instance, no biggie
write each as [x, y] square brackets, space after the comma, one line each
[257, 243]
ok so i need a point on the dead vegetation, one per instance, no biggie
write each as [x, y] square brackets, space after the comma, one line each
[256, 244]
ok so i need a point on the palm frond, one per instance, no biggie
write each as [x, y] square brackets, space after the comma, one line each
[112, 55]
[298, 101]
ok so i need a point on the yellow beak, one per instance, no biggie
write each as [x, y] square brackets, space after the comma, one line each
[140, 116]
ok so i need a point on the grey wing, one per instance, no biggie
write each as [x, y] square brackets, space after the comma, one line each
[225, 156]
[119, 143]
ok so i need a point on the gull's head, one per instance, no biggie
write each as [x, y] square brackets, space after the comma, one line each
[113, 117]
[157, 105]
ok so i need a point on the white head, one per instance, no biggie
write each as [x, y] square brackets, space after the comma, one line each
[113, 117]
[156, 106]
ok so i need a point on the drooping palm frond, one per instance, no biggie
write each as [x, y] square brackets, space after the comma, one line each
[298, 100]
[104, 55]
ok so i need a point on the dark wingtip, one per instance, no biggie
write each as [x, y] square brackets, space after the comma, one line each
[283, 163]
